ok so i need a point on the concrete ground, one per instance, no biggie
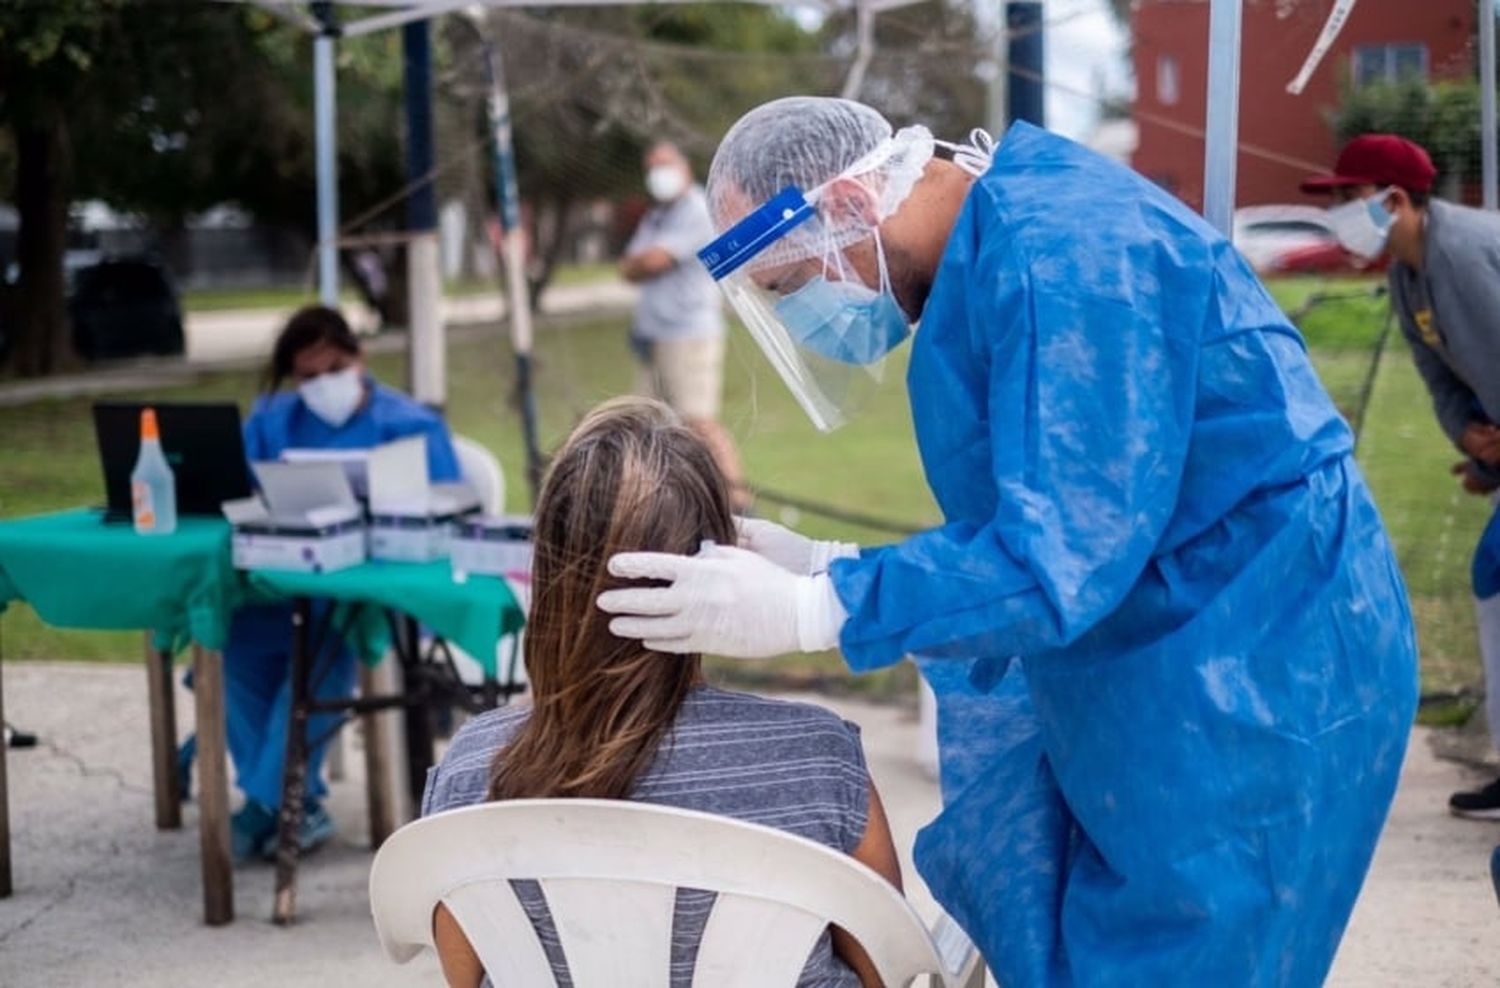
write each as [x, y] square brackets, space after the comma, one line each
[103, 899]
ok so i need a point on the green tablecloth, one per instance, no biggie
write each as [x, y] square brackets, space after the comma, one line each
[473, 615]
[79, 572]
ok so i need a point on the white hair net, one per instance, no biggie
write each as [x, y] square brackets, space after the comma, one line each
[807, 141]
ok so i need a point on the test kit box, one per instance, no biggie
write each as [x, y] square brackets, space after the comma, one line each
[315, 549]
[494, 546]
[305, 518]
[411, 519]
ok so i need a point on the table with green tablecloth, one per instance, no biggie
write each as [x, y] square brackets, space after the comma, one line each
[474, 614]
[79, 571]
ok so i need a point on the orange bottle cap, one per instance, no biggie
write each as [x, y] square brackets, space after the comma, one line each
[148, 424]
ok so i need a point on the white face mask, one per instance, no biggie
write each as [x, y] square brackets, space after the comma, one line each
[1363, 226]
[334, 397]
[666, 182]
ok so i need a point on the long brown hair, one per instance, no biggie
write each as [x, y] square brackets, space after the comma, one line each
[631, 477]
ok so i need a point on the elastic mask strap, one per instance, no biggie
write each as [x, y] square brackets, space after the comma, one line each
[976, 156]
[833, 258]
[885, 273]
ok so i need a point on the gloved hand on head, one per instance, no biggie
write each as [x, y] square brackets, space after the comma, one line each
[791, 550]
[724, 601]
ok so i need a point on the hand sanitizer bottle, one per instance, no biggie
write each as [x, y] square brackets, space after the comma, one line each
[153, 491]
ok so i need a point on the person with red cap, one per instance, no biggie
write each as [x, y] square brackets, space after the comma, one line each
[1445, 288]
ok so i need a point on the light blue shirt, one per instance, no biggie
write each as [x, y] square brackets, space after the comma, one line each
[682, 302]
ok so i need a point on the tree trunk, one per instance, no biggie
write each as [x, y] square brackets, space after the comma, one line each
[41, 341]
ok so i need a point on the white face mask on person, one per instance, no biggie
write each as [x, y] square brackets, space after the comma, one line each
[334, 397]
[1363, 226]
[666, 182]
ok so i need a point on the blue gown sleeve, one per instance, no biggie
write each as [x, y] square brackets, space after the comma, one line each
[1088, 398]
[255, 441]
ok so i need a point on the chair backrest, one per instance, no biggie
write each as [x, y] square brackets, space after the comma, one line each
[481, 469]
[610, 870]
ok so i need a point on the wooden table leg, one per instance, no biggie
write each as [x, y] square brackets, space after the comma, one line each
[378, 789]
[5, 887]
[163, 736]
[294, 772]
[213, 788]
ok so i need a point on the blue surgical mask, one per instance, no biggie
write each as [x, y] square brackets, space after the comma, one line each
[1363, 226]
[844, 320]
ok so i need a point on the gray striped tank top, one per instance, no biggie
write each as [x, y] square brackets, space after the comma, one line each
[792, 766]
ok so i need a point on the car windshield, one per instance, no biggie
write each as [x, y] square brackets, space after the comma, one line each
[1287, 226]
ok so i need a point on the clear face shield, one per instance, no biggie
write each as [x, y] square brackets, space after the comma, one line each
[821, 327]
[783, 268]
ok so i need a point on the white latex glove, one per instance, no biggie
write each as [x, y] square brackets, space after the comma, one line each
[725, 601]
[790, 550]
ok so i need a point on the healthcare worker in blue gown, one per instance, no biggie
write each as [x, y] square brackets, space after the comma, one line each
[333, 403]
[1173, 655]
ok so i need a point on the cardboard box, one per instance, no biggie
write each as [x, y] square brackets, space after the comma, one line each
[304, 518]
[411, 519]
[494, 546]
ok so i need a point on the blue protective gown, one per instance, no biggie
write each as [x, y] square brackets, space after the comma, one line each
[257, 692]
[1152, 502]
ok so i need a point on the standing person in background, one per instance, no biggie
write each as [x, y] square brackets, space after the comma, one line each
[678, 334]
[1445, 288]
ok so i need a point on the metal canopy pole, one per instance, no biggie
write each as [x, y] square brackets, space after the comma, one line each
[1487, 102]
[1026, 94]
[513, 247]
[324, 80]
[1222, 138]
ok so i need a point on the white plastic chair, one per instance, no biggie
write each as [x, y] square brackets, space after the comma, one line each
[481, 468]
[610, 870]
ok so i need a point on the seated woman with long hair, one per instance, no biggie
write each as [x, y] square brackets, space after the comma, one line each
[611, 719]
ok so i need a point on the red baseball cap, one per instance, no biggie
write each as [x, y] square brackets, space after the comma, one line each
[1378, 159]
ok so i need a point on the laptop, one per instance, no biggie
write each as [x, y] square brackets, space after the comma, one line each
[203, 444]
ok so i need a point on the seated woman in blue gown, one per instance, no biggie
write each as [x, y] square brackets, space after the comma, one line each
[319, 395]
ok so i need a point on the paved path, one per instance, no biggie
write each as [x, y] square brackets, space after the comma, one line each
[103, 899]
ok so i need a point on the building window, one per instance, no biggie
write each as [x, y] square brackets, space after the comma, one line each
[1166, 80]
[1389, 63]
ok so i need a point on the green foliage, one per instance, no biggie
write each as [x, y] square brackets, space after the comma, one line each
[50, 41]
[924, 66]
[1443, 117]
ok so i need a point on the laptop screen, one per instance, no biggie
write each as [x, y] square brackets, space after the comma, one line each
[203, 445]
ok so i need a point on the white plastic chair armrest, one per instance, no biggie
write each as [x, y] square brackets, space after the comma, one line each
[960, 957]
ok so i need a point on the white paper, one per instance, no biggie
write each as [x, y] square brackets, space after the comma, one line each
[398, 477]
[293, 490]
[244, 510]
[355, 463]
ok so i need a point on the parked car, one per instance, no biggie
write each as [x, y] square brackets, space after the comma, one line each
[1292, 240]
[124, 307]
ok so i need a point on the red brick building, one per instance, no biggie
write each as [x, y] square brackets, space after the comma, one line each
[1282, 137]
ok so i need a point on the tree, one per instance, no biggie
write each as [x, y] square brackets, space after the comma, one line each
[590, 89]
[926, 65]
[164, 108]
[1443, 117]
[47, 54]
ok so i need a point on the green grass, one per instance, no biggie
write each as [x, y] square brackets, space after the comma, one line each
[224, 299]
[870, 466]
